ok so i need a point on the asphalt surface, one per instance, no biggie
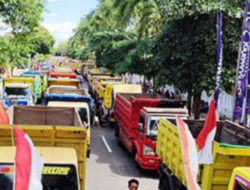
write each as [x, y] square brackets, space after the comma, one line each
[110, 166]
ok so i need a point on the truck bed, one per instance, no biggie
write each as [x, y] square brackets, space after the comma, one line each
[59, 90]
[127, 110]
[50, 127]
[64, 82]
[227, 152]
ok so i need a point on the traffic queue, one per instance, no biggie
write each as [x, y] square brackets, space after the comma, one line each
[51, 105]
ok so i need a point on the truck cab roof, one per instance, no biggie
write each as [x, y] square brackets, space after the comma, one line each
[52, 155]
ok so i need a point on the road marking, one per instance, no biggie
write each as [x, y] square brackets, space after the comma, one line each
[106, 144]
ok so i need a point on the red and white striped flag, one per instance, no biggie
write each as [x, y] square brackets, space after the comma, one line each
[28, 163]
[189, 154]
[205, 139]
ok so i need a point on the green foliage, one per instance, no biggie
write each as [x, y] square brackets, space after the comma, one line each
[42, 40]
[171, 41]
[27, 37]
[21, 15]
[186, 49]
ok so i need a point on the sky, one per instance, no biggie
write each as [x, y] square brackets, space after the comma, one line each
[62, 16]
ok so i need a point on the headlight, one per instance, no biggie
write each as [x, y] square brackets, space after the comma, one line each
[148, 151]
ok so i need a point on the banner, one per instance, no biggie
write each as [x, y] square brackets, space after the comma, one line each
[247, 109]
[242, 72]
[219, 55]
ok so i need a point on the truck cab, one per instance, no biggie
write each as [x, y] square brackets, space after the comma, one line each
[17, 94]
[145, 143]
[60, 169]
[240, 179]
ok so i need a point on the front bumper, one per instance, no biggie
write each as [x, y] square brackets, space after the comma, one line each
[149, 162]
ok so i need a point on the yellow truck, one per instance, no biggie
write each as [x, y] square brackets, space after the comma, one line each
[61, 139]
[20, 91]
[87, 70]
[84, 113]
[112, 90]
[108, 102]
[231, 155]
[100, 83]
[64, 82]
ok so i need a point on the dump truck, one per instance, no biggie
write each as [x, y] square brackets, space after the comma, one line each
[45, 68]
[92, 77]
[64, 75]
[100, 83]
[19, 91]
[61, 139]
[60, 170]
[64, 82]
[43, 77]
[68, 94]
[85, 114]
[136, 115]
[86, 70]
[231, 155]
[63, 70]
[109, 100]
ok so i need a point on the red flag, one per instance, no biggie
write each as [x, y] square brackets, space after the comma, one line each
[28, 163]
[205, 138]
[4, 118]
[189, 154]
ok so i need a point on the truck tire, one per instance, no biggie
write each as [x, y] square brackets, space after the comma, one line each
[116, 131]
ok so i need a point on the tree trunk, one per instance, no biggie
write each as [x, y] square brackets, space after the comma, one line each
[197, 103]
[189, 103]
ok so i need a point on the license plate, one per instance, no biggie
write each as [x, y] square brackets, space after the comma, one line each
[151, 161]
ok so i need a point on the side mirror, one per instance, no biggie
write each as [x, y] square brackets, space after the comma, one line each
[140, 127]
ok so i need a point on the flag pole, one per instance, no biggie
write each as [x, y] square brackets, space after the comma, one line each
[218, 58]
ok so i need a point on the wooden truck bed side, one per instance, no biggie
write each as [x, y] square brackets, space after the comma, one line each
[64, 82]
[47, 133]
[225, 158]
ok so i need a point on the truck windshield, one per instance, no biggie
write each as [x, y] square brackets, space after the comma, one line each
[55, 177]
[241, 186]
[152, 126]
[83, 115]
[17, 91]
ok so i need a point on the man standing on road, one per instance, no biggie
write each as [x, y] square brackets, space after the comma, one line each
[133, 184]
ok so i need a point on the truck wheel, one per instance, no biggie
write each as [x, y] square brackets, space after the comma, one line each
[116, 131]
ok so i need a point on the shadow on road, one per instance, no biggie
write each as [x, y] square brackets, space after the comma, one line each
[120, 161]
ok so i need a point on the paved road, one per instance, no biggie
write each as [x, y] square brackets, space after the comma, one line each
[111, 170]
[110, 166]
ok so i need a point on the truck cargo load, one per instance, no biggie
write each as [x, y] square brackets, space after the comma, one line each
[231, 149]
[50, 127]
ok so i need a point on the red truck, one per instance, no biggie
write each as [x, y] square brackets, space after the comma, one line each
[63, 75]
[137, 116]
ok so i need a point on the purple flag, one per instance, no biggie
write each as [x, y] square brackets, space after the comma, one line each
[247, 109]
[219, 55]
[241, 83]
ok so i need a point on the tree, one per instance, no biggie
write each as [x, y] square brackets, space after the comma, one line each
[41, 40]
[61, 48]
[22, 17]
[186, 49]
